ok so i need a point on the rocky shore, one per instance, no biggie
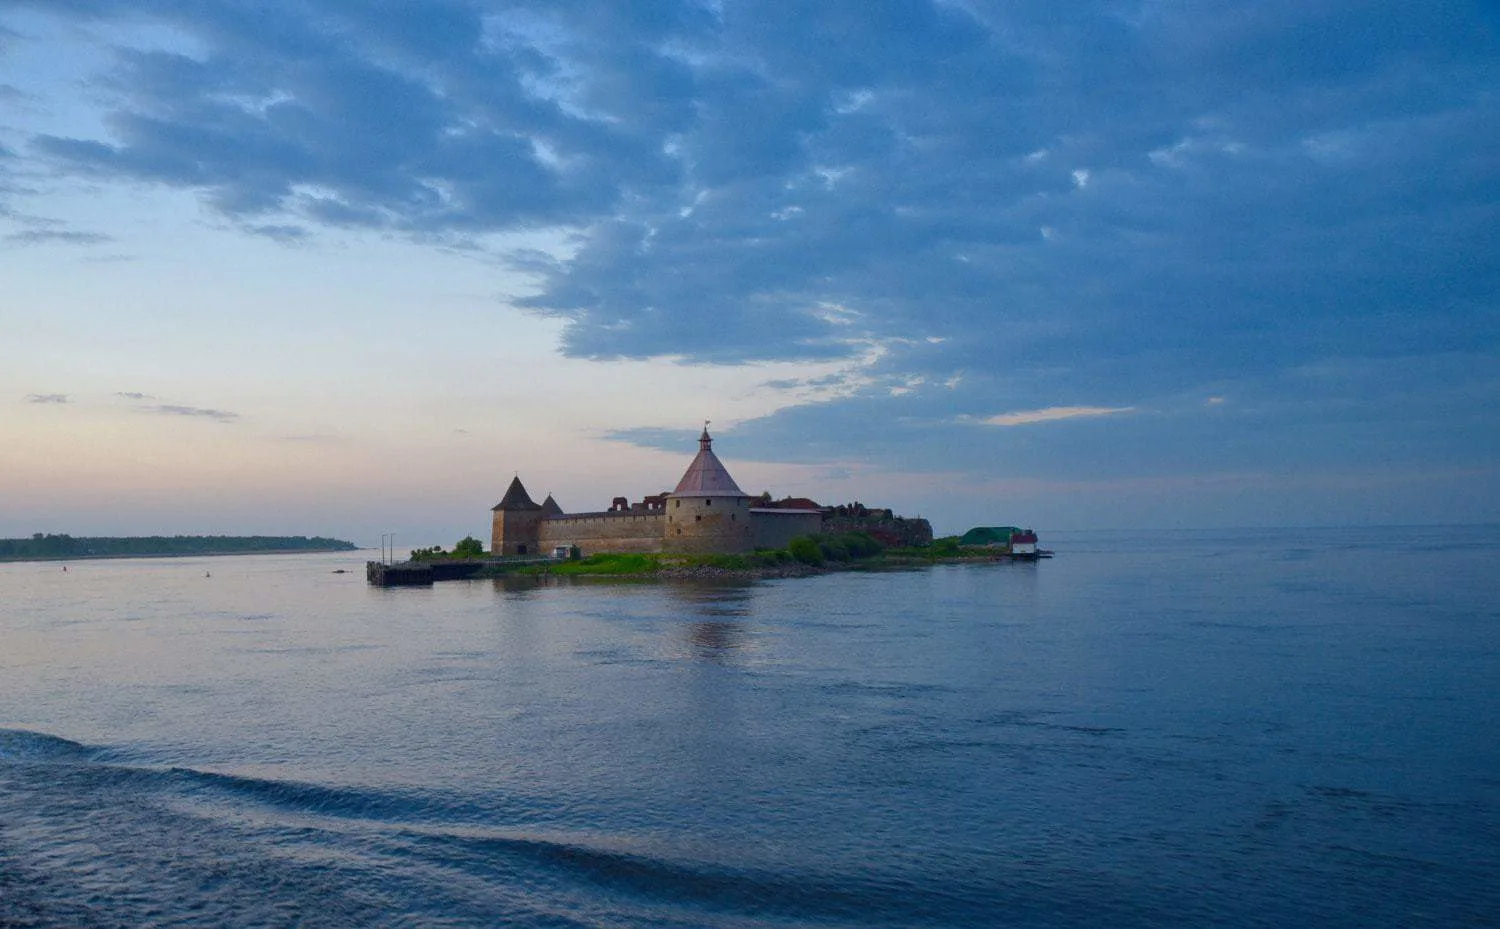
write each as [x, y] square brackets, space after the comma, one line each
[708, 572]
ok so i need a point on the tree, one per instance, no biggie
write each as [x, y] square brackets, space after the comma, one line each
[805, 549]
[468, 547]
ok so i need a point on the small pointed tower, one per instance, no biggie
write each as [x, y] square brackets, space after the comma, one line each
[550, 507]
[516, 526]
[708, 513]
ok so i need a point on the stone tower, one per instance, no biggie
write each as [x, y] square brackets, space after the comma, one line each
[708, 512]
[516, 526]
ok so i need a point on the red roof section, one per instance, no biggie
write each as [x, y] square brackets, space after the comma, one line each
[792, 503]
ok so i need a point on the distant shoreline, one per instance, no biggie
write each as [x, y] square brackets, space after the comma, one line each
[6, 559]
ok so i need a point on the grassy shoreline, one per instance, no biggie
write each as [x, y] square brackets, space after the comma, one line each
[753, 566]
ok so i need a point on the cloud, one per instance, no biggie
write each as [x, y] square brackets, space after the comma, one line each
[1046, 206]
[671, 440]
[314, 437]
[280, 232]
[730, 171]
[48, 398]
[57, 237]
[1053, 414]
[145, 404]
[324, 114]
[168, 409]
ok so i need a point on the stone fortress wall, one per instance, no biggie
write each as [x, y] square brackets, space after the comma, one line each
[632, 533]
[777, 528]
[706, 514]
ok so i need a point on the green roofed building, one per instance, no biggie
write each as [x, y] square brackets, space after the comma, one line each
[989, 535]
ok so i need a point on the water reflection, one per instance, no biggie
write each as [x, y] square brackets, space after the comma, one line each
[518, 586]
[717, 597]
[712, 634]
[713, 639]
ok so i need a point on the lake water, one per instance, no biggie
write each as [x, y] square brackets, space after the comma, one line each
[1152, 729]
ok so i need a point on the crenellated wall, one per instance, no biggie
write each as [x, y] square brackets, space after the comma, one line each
[890, 530]
[593, 533]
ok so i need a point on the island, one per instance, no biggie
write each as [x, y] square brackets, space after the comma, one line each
[707, 526]
[50, 547]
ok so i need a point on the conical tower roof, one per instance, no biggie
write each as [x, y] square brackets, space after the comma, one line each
[707, 476]
[550, 507]
[516, 498]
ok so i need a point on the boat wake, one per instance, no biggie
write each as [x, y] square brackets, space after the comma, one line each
[88, 841]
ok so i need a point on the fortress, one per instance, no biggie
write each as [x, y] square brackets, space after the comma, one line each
[706, 514]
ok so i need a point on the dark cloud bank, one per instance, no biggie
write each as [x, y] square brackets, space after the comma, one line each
[1009, 206]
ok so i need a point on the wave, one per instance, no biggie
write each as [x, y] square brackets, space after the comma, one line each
[94, 841]
[706, 887]
[446, 835]
[24, 745]
[96, 838]
[302, 798]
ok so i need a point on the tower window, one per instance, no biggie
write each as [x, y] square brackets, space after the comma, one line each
[709, 502]
[698, 519]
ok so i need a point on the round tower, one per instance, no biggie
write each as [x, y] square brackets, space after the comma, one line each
[708, 513]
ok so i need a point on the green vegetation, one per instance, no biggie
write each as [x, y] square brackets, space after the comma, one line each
[606, 564]
[809, 550]
[639, 564]
[46, 546]
[846, 550]
[806, 549]
[947, 548]
[467, 549]
[815, 550]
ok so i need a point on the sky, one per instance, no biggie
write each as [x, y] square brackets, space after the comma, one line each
[333, 267]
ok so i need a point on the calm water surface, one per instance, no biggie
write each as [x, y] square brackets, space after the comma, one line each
[1181, 729]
